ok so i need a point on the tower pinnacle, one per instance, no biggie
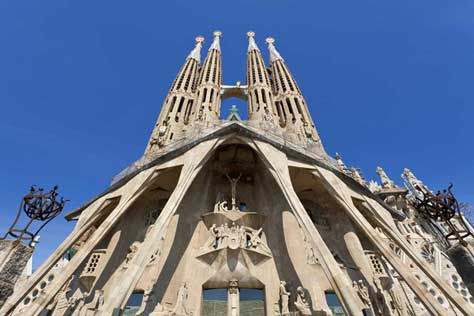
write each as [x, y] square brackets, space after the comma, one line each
[260, 102]
[252, 44]
[173, 120]
[208, 100]
[291, 107]
[215, 44]
[196, 52]
[274, 54]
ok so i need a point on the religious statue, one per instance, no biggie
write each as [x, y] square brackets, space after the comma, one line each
[221, 203]
[131, 252]
[382, 300]
[267, 116]
[233, 187]
[235, 236]
[301, 303]
[398, 299]
[255, 240]
[161, 136]
[180, 307]
[284, 298]
[91, 308]
[363, 292]
[65, 304]
[212, 240]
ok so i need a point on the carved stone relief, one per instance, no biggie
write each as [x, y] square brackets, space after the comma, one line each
[233, 237]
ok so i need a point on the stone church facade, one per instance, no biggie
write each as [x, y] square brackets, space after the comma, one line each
[233, 217]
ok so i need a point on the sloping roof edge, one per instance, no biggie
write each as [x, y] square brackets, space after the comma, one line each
[309, 156]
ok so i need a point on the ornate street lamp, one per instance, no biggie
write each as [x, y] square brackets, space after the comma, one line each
[39, 206]
[442, 207]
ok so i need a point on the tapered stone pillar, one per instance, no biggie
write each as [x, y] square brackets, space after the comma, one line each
[357, 253]
[233, 299]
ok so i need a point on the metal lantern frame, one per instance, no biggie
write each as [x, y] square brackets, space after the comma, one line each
[37, 205]
[442, 207]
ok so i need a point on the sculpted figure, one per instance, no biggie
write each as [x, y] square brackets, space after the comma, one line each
[243, 237]
[91, 308]
[64, 304]
[131, 252]
[363, 292]
[267, 116]
[211, 241]
[180, 307]
[256, 241]
[301, 303]
[284, 298]
[226, 231]
[398, 300]
[382, 301]
[221, 203]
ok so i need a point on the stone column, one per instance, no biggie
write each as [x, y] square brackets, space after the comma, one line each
[233, 299]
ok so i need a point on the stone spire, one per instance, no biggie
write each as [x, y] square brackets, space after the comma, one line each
[274, 54]
[196, 52]
[216, 43]
[260, 100]
[291, 107]
[208, 97]
[252, 44]
[178, 106]
[387, 183]
[412, 182]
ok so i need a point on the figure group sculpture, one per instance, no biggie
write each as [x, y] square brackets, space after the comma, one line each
[301, 304]
[235, 236]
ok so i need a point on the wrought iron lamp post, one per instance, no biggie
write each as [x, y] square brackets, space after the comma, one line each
[39, 206]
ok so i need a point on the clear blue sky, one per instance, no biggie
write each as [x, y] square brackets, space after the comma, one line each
[82, 82]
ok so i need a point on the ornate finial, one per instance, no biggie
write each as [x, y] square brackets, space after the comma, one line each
[215, 44]
[274, 54]
[252, 44]
[196, 52]
[270, 40]
[199, 39]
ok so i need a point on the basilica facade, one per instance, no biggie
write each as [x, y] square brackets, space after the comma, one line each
[250, 217]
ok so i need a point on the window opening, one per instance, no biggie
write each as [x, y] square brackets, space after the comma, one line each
[334, 304]
[214, 302]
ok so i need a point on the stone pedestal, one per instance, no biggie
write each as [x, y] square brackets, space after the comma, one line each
[13, 259]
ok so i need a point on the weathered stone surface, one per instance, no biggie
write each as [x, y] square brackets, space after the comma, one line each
[13, 259]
